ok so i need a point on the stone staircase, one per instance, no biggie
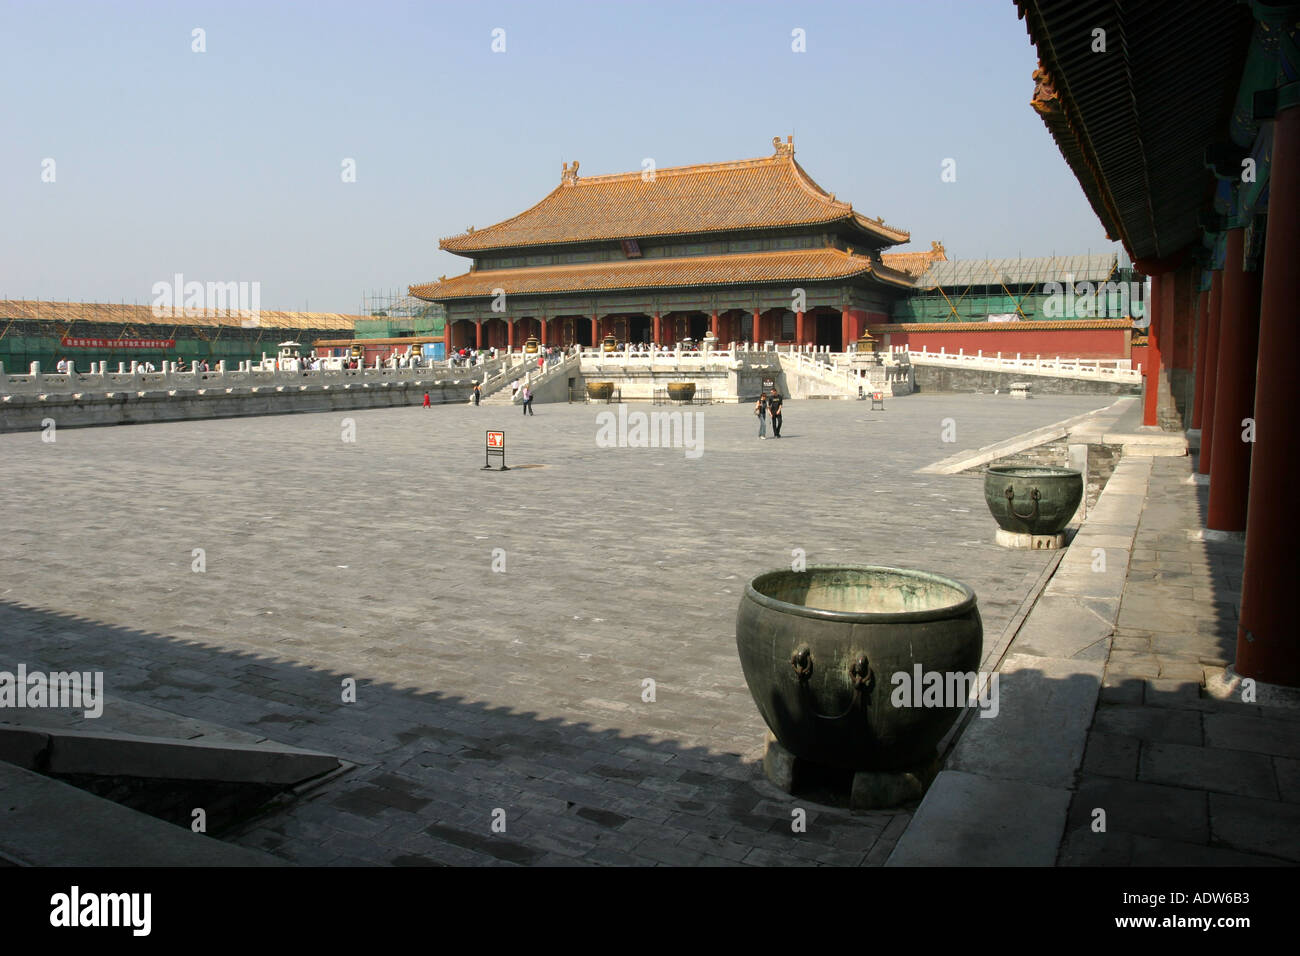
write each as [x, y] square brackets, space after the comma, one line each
[501, 393]
[813, 378]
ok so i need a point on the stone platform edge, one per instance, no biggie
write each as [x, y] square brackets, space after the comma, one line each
[1003, 798]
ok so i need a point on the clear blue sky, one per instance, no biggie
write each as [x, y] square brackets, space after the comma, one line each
[225, 165]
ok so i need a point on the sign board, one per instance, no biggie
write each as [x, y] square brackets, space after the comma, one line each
[434, 350]
[496, 445]
[769, 384]
[70, 342]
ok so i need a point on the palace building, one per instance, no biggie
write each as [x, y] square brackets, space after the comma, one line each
[752, 251]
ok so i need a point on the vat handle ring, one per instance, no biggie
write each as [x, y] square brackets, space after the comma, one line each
[859, 674]
[801, 661]
[1034, 494]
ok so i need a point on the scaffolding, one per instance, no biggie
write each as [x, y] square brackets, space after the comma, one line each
[982, 290]
[393, 314]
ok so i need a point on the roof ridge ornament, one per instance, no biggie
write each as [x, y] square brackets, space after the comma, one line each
[569, 176]
[783, 149]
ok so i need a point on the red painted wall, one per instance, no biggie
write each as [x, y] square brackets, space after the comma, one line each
[1139, 356]
[1048, 343]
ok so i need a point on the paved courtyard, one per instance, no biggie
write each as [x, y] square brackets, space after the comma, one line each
[478, 689]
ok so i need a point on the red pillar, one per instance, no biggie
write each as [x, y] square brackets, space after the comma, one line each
[756, 333]
[1183, 326]
[1267, 647]
[1150, 393]
[1170, 319]
[798, 329]
[510, 335]
[844, 330]
[1202, 330]
[478, 335]
[1211, 371]
[657, 329]
[595, 332]
[1234, 391]
[543, 340]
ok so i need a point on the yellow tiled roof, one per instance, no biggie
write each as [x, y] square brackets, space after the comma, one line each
[38, 310]
[915, 263]
[737, 268]
[714, 197]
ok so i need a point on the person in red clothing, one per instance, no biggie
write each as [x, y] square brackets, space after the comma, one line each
[427, 403]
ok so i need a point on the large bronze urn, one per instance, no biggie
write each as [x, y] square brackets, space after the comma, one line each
[823, 651]
[600, 391]
[681, 391]
[1033, 499]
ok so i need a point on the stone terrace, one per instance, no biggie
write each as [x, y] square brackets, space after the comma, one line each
[479, 690]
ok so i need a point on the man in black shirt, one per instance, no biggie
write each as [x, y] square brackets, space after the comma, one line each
[774, 409]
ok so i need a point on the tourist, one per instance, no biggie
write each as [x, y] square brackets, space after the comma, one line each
[514, 390]
[760, 409]
[478, 393]
[527, 396]
[774, 407]
[427, 403]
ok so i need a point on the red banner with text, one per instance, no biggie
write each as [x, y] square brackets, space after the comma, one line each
[70, 342]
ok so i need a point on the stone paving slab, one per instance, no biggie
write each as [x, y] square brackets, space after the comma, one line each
[518, 690]
[968, 819]
[1185, 778]
[1039, 733]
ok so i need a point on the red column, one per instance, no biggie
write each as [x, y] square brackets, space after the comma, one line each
[1202, 330]
[478, 335]
[657, 339]
[1211, 371]
[1170, 319]
[1183, 326]
[595, 332]
[756, 333]
[798, 328]
[1234, 391]
[1267, 647]
[844, 330]
[510, 334]
[1152, 390]
[543, 340]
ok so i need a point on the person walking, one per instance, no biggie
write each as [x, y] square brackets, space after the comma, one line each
[774, 409]
[427, 403]
[760, 409]
[527, 394]
[478, 393]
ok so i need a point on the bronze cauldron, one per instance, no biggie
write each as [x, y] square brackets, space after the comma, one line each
[821, 649]
[681, 391]
[1033, 499]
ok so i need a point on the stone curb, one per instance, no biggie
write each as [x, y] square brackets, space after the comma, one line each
[1005, 794]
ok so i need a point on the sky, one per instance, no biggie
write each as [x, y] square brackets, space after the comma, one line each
[228, 164]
